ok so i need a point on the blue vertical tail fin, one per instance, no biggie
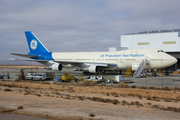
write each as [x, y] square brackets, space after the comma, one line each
[35, 45]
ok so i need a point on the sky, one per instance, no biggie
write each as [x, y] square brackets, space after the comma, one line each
[80, 25]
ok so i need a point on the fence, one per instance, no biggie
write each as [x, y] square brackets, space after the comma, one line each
[158, 81]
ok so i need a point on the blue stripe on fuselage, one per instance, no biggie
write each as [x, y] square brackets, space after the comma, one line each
[44, 56]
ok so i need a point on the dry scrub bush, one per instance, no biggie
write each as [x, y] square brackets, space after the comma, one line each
[132, 103]
[177, 88]
[84, 83]
[11, 85]
[113, 93]
[20, 107]
[81, 98]
[173, 109]
[142, 87]
[58, 83]
[26, 94]
[178, 97]
[102, 84]
[131, 94]
[94, 82]
[68, 97]
[166, 88]
[92, 115]
[38, 95]
[167, 100]
[31, 81]
[136, 103]
[125, 102]
[97, 99]
[140, 96]
[154, 88]
[105, 100]
[121, 85]
[133, 86]
[148, 97]
[116, 95]
[7, 110]
[7, 89]
[149, 103]
[26, 87]
[18, 80]
[154, 97]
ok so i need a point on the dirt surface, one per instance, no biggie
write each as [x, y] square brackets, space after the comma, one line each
[75, 102]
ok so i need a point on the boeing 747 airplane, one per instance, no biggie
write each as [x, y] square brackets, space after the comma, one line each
[93, 62]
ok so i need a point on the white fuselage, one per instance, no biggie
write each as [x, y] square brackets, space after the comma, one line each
[126, 58]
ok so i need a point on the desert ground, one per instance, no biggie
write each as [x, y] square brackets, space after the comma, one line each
[88, 101]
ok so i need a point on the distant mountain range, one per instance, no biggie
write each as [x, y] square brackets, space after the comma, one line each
[13, 62]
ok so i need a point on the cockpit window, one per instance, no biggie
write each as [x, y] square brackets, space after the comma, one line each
[160, 51]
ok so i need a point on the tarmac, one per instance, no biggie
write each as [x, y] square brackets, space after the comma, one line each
[159, 81]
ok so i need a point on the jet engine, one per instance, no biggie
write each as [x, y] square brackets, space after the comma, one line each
[91, 69]
[55, 66]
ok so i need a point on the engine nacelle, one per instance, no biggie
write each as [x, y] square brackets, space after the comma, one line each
[91, 69]
[55, 66]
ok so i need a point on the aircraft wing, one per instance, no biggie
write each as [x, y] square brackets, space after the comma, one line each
[73, 63]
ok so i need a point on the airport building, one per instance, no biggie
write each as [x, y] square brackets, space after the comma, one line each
[166, 40]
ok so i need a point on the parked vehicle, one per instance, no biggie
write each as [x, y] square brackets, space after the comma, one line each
[40, 76]
[30, 76]
[67, 78]
[44, 76]
[99, 78]
[3, 76]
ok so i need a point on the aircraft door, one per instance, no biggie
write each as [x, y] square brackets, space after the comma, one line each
[147, 59]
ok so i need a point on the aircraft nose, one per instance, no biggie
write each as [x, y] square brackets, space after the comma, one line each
[174, 60]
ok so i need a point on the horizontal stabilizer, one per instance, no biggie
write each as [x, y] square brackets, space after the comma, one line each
[25, 55]
[29, 60]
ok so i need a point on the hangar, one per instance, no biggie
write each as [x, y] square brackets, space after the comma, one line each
[166, 40]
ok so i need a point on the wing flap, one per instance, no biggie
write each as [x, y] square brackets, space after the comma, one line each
[75, 63]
